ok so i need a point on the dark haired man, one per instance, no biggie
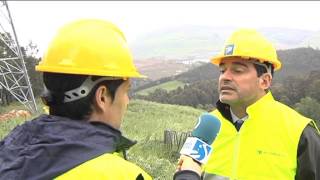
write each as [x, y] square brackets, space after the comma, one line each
[86, 72]
[260, 138]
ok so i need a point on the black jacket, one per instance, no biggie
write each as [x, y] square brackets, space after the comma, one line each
[49, 146]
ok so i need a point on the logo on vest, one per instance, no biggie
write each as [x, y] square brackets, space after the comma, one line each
[262, 152]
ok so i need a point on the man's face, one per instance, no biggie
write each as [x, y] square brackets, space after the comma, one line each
[239, 84]
[117, 108]
[121, 98]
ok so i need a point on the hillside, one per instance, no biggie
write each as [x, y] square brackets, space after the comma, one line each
[286, 38]
[298, 62]
[295, 62]
[294, 84]
[170, 85]
[146, 122]
[177, 43]
[167, 52]
[158, 68]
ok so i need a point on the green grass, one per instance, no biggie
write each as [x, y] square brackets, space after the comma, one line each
[169, 86]
[145, 122]
[8, 125]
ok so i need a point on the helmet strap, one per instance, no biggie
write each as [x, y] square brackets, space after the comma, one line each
[84, 89]
[268, 68]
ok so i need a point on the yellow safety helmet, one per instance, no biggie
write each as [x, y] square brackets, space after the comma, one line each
[89, 47]
[248, 43]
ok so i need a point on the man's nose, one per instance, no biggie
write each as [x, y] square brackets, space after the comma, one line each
[226, 75]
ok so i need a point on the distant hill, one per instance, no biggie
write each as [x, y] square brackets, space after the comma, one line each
[168, 52]
[177, 43]
[286, 38]
[159, 68]
[297, 62]
[297, 84]
[170, 85]
[202, 42]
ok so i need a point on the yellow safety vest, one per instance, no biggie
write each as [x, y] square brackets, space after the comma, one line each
[106, 167]
[265, 148]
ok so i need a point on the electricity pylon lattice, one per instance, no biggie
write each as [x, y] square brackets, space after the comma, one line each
[13, 73]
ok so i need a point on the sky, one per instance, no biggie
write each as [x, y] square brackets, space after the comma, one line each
[38, 21]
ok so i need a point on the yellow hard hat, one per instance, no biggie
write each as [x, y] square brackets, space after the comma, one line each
[89, 47]
[248, 43]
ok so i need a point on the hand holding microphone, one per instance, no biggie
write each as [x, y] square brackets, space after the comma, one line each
[187, 163]
[196, 149]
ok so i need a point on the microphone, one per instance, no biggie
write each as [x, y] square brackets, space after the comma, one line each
[198, 145]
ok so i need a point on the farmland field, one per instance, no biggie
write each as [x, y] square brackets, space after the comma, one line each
[169, 86]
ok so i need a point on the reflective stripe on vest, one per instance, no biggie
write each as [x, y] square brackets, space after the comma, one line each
[264, 148]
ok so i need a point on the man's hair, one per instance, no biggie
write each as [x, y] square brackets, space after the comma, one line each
[261, 69]
[57, 84]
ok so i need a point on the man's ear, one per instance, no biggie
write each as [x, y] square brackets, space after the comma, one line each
[265, 81]
[102, 98]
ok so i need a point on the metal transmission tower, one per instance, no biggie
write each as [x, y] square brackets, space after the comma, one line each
[13, 72]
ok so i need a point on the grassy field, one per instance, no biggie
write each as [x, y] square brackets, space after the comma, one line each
[171, 85]
[7, 126]
[144, 122]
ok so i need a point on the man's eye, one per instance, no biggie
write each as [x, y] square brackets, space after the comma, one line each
[238, 70]
[222, 71]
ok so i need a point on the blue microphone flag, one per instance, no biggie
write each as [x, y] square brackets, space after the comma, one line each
[198, 146]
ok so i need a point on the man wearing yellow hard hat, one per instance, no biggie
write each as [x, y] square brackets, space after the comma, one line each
[260, 138]
[86, 73]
